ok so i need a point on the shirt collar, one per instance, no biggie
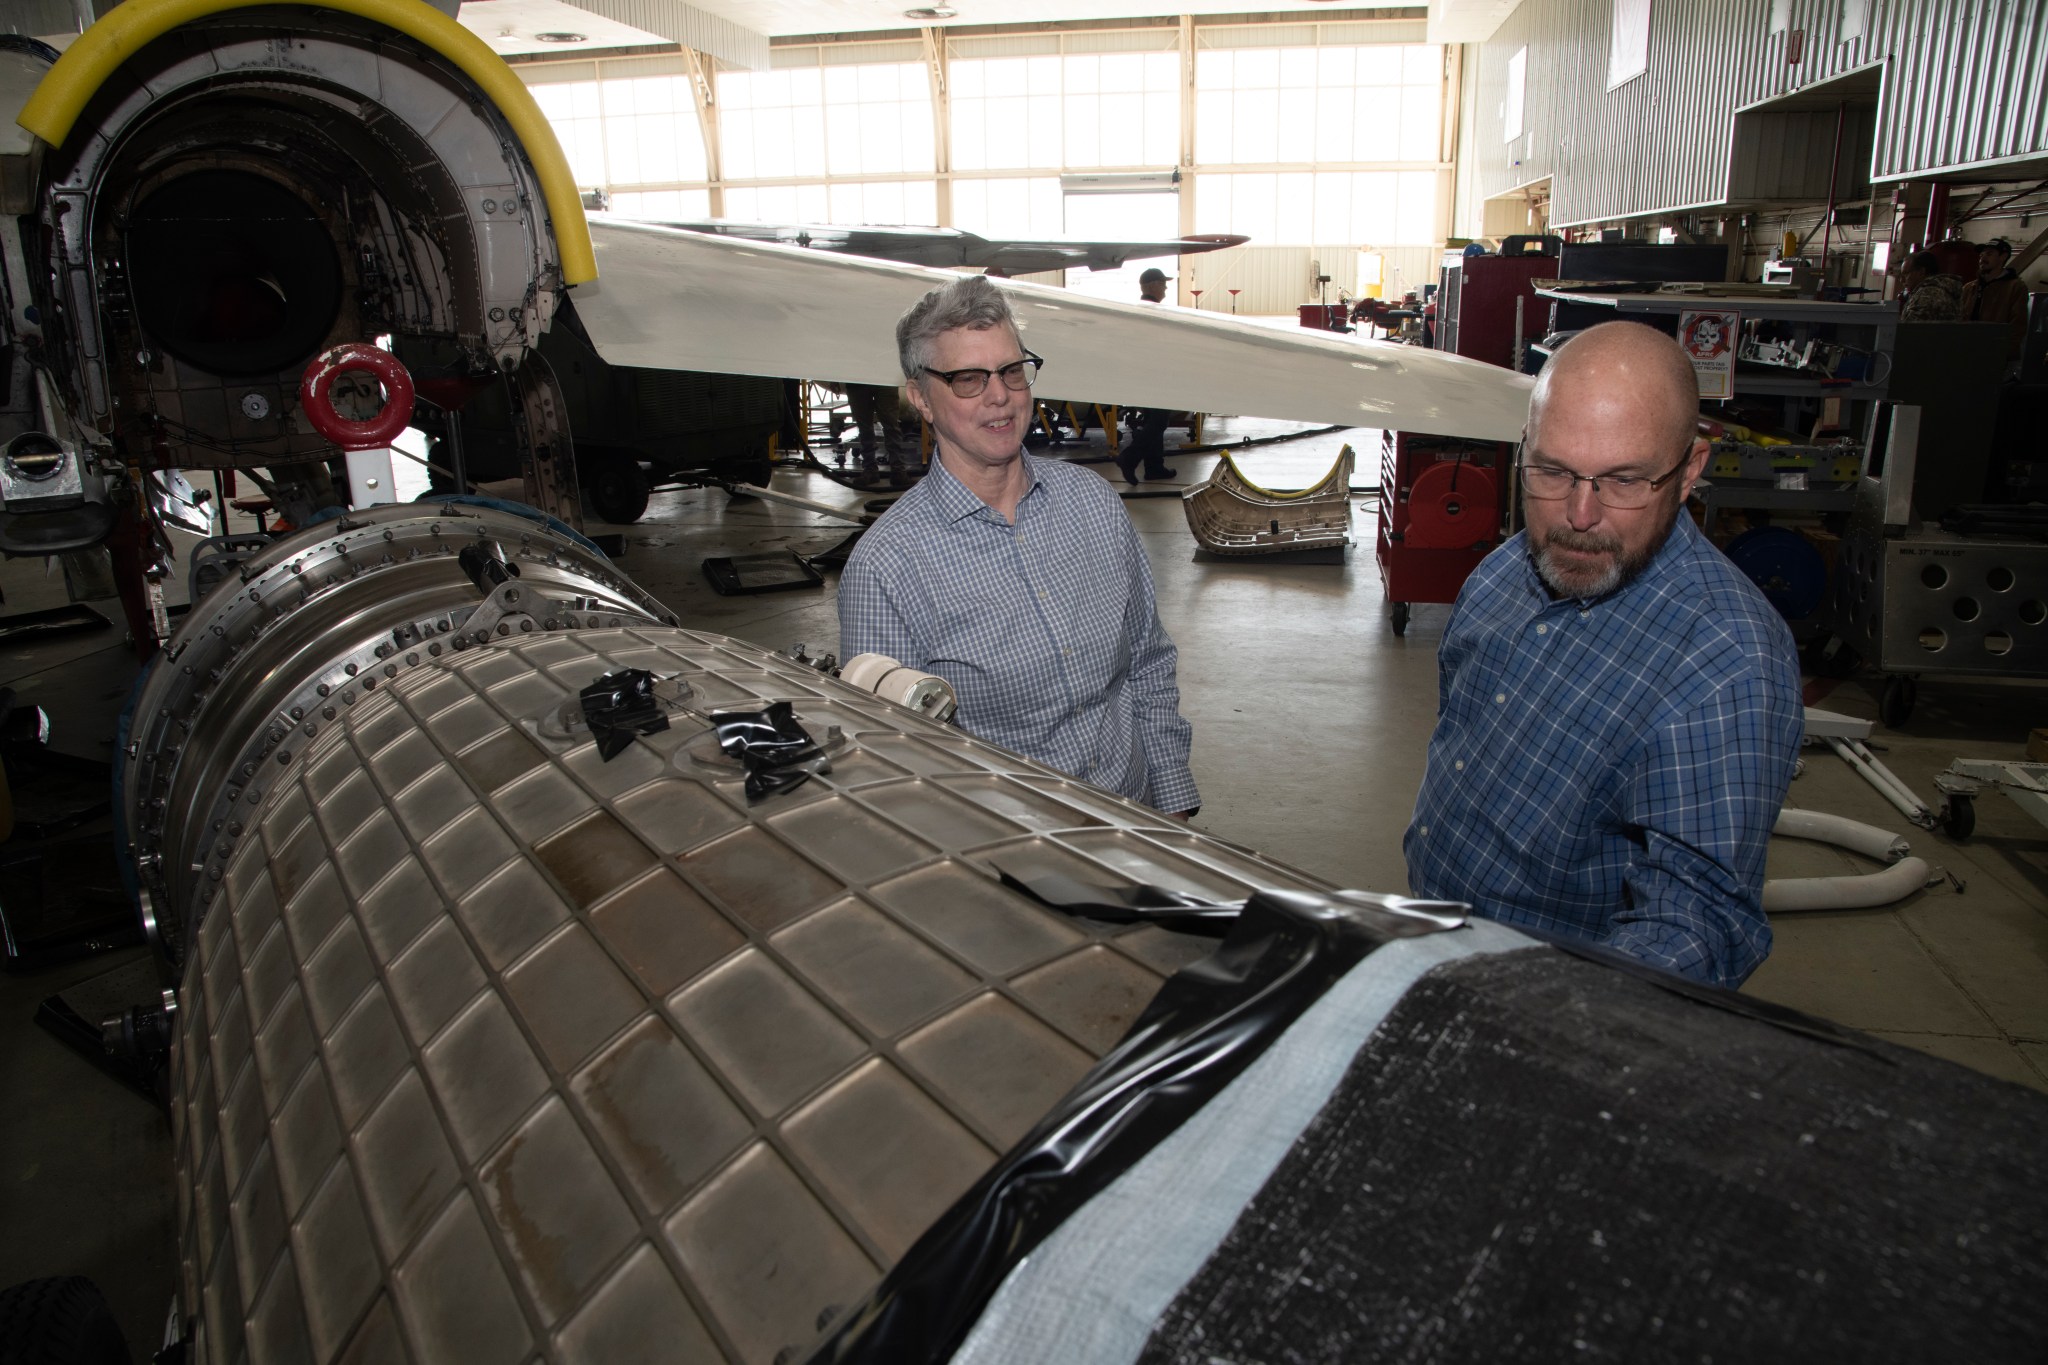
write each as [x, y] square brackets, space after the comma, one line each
[955, 501]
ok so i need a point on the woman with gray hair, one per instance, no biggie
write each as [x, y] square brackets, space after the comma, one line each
[1019, 580]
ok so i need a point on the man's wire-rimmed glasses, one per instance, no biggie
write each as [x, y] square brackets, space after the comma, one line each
[1623, 492]
[1018, 375]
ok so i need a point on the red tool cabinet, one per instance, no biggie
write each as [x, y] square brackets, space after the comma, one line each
[1443, 503]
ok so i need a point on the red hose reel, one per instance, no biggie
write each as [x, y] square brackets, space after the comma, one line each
[1452, 505]
[316, 396]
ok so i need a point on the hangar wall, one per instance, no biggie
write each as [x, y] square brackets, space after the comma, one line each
[1963, 84]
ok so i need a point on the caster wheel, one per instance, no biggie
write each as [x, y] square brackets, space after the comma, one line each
[1895, 703]
[1398, 618]
[1959, 818]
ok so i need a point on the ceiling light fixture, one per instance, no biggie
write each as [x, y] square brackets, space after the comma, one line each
[560, 37]
[931, 12]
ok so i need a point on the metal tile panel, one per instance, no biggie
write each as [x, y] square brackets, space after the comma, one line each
[492, 1048]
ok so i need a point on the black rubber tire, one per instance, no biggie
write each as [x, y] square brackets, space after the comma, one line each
[59, 1321]
[1959, 820]
[1398, 618]
[617, 488]
[1895, 702]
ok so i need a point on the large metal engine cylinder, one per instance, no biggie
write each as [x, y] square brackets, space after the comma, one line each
[489, 1046]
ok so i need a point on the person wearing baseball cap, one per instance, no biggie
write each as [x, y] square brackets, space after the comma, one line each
[1998, 294]
[1148, 425]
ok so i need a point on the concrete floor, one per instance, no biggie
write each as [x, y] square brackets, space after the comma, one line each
[1311, 723]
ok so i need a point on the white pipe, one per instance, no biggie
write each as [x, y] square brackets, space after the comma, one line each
[825, 509]
[1907, 807]
[1896, 882]
[1843, 832]
[1897, 784]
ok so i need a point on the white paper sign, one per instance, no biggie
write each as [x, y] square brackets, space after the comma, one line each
[1708, 339]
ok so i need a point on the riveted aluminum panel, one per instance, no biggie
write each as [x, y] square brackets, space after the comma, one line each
[492, 1049]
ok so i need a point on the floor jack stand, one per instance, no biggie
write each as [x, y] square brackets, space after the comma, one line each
[1846, 736]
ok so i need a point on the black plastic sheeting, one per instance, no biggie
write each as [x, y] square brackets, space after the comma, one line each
[777, 752]
[619, 706]
[1207, 1023]
[1132, 903]
[1538, 1158]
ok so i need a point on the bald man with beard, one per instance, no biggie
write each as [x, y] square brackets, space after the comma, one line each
[1619, 707]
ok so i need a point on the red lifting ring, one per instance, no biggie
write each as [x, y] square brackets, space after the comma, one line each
[381, 430]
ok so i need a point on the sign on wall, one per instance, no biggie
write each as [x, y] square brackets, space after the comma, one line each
[1708, 340]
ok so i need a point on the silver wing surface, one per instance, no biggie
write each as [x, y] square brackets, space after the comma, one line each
[951, 247]
[669, 299]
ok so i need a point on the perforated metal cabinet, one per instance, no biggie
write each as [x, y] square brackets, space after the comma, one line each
[1931, 602]
[491, 1051]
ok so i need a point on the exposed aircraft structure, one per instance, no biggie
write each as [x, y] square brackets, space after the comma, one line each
[1228, 514]
[543, 992]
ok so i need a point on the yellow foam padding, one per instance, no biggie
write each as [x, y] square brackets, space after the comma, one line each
[129, 27]
[1276, 494]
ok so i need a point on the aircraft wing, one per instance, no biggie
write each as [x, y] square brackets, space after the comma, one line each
[951, 247]
[671, 299]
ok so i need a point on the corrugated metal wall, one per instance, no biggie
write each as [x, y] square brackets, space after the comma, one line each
[1965, 83]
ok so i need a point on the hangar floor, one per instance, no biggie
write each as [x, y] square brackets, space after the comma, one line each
[1311, 721]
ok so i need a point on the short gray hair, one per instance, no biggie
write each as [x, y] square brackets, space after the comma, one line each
[972, 301]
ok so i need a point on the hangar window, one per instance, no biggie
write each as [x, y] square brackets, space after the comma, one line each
[658, 204]
[632, 129]
[773, 123]
[1374, 103]
[1304, 208]
[576, 112]
[1077, 109]
[852, 203]
[1020, 206]
[650, 131]
[1628, 49]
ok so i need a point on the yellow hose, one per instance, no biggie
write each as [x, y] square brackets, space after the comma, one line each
[127, 28]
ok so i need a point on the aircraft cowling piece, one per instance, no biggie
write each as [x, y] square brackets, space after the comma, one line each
[250, 187]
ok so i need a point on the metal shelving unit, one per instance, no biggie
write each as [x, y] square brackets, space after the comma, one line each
[1911, 598]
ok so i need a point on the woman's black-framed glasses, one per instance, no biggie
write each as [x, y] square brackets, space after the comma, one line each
[1623, 492]
[1018, 375]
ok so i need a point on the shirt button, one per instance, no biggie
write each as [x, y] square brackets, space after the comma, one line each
[1067, 653]
[1543, 630]
[1500, 696]
[1459, 765]
[1041, 597]
[1583, 613]
[1423, 830]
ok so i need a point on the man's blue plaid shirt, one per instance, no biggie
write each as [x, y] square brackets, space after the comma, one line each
[1609, 770]
[1046, 629]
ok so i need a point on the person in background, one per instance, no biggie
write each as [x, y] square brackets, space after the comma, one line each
[880, 419]
[1926, 292]
[1148, 425]
[1998, 294]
